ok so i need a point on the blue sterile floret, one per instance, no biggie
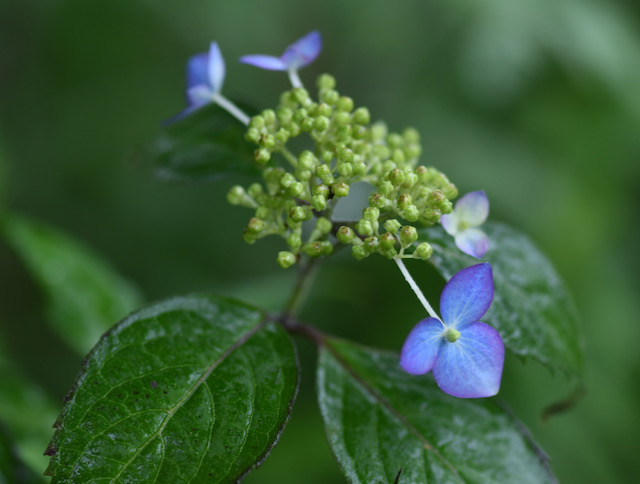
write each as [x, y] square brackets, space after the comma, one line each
[299, 54]
[468, 213]
[465, 355]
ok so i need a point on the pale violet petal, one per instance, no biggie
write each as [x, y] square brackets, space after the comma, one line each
[467, 296]
[197, 70]
[199, 95]
[473, 208]
[421, 347]
[473, 242]
[264, 62]
[450, 222]
[471, 367]
[216, 68]
[303, 51]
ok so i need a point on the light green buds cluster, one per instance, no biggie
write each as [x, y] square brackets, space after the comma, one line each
[300, 186]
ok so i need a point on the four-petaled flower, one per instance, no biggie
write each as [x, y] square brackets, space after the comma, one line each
[299, 54]
[466, 355]
[205, 76]
[468, 213]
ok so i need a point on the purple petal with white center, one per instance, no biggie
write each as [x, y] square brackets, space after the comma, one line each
[467, 296]
[198, 70]
[264, 62]
[304, 51]
[473, 242]
[199, 95]
[216, 68]
[421, 347]
[472, 366]
[473, 208]
[450, 222]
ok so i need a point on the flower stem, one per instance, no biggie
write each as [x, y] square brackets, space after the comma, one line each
[416, 289]
[231, 108]
[305, 277]
[294, 78]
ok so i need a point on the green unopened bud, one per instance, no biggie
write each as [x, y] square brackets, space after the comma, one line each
[396, 177]
[319, 202]
[394, 140]
[372, 243]
[307, 160]
[323, 109]
[345, 155]
[316, 249]
[431, 215]
[269, 116]
[411, 135]
[323, 171]
[300, 114]
[345, 103]
[388, 253]
[378, 200]
[307, 124]
[404, 201]
[410, 213]
[263, 212]
[364, 227]
[359, 167]
[446, 206]
[287, 180]
[398, 157]
[249, 237]
[324, 225]
[294, 129]
[329, 96]
[321, 190]
[304, 175]
[412, 151]
[392, 225]
[321, 123]
[294, 241]
[371, 214]
[236, 195]
[255, 225]
[436, 197]
[300, 94]
[254, 190]
[262, 155]
[268, 141]
[378, 132]
[410, 179]
[386, 187]
[358, 131]
[408, 235]
[296, 189]
[359, 252]
[286, 259]
[340, 189]
[361, 116]
[252, 135]
[341, 117]
[423, 251]
[345, 234]
[345, 169]
[257, 122]
[423, 174]
[285, 115]
[300, 213]
[326, 81]
[387, 240]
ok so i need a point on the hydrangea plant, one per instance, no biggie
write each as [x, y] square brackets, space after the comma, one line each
[198, 388]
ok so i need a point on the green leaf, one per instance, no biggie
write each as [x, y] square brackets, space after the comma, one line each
[84, 294]
[192, 389]
[382, 422]
[27, 412]
[12, 469]
[531, 308]
[204, 146]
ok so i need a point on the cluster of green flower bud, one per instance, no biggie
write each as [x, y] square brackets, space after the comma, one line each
[301, 189]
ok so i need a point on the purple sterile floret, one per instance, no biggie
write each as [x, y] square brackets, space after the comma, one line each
[297, 55]
[466, 355]
[468, 213]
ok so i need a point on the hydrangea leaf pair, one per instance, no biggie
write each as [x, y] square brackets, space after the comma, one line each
[465, 355]
[468, 214]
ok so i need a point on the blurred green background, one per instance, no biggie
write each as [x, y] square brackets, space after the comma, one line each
[535, 101]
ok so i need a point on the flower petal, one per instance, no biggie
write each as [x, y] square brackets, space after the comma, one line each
[473, 242]
[303, 51]
[264, 62]
[467, 296]
[199, 95]
[421, 347]
[473, 208]
[450, 222]
[198, 70]
[216, 68]
[472, 366]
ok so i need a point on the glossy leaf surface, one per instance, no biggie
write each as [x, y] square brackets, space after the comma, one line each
[192, 389]
[203, 146]
[531, 308]
[383, 423]
[85, 296]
